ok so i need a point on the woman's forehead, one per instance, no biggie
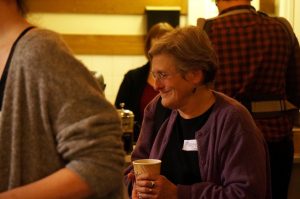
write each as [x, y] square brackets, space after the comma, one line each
[164, 62]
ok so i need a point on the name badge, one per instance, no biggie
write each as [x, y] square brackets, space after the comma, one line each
[190, 145]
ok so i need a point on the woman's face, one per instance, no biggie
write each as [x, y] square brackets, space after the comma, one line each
[175, 89]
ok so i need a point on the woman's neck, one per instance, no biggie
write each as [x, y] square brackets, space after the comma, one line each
[198, 104]
[11, 30]
[11, 25]
[11, 22]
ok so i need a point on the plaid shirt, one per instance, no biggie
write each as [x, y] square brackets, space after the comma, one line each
[257, 58]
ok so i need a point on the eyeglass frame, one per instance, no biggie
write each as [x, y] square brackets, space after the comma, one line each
[161, 76]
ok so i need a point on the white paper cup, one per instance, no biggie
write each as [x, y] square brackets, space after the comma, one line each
[150, 166]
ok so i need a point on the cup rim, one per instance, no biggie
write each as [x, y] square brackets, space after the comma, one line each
[144, 161]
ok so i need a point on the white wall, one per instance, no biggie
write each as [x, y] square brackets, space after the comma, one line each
[296, 22]
[200, 8]
[291, 11]
[114, 67]
[287, 9]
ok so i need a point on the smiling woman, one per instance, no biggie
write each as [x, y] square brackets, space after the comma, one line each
[204, 131]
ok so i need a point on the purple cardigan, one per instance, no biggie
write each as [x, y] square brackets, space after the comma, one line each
[233, 157]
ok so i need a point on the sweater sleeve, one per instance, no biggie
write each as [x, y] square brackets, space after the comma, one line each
[91, 145]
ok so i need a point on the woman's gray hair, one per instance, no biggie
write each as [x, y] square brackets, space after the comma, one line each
[191, 48]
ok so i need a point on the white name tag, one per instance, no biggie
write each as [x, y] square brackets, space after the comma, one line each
[190, 145]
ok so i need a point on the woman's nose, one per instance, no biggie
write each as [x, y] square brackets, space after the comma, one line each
[157, 84]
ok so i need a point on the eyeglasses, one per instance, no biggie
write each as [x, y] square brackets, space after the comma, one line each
[159, 76]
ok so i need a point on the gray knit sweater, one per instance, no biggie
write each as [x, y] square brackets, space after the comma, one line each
[54, 115]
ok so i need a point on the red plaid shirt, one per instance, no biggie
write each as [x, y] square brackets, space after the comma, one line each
[257, 58]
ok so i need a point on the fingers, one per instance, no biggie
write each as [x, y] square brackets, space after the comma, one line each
[147, 194]
[146, 188]
[131, 176]
[146, 183]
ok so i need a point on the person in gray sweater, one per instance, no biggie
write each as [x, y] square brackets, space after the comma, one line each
[59, 136]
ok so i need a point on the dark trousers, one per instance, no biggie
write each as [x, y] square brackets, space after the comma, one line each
[281, 162]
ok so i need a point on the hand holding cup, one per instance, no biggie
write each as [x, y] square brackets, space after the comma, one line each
[150, 168]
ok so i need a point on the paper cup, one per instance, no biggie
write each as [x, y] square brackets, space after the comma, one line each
[150, 166]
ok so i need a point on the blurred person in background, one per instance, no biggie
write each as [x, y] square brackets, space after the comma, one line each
[260, 66]
[59, 136]
[208, 142]
[136, 89]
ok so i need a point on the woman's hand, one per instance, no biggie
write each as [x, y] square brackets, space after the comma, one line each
[147, 186]
[131, 176]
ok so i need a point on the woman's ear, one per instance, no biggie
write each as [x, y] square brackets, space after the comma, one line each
[196, 77]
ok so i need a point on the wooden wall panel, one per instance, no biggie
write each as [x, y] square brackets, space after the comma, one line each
[105, 44]
[101, 6]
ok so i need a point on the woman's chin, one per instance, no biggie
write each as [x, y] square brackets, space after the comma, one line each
[167, 103]
[167, 99]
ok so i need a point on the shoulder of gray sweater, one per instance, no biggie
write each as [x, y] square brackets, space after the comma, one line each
[42, 49]
[42, 40]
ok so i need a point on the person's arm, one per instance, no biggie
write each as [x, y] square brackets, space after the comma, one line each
[61, 184]
[293, 70]
[124, 94]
